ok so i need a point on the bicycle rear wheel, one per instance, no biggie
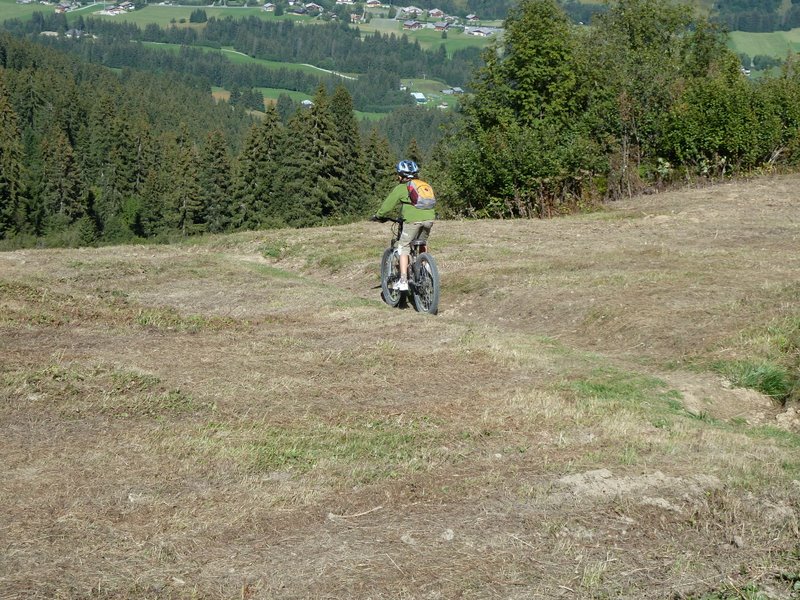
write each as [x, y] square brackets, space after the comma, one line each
[390, 272]
[426, 284]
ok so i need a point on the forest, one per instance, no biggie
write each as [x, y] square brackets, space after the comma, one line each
[93, 155]
[561, 118]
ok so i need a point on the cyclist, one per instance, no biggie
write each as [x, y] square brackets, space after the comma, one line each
[417, 222]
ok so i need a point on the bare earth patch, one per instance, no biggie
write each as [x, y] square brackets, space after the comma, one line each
[242, 417]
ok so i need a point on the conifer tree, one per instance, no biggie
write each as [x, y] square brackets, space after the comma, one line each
[108, 160]
[313, 175]
[61, 190]
[380, 166]
[153, 193]
[354, 196]
[215, 182]
[88, 225]
[413, 152]
[255, 194]
[286, 107]
[184, 196]
[10, 166]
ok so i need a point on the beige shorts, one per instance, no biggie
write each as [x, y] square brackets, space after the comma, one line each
[413, 231]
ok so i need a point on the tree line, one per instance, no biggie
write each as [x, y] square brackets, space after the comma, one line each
[88, 155]
[758, 15]
[563, 117]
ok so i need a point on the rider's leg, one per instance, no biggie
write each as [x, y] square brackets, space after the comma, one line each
[404, 266]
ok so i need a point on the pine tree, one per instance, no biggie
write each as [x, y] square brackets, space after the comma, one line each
[109, 161]
[184, 196]
[88, 225]
[313, 175]
[354, 196]
[413, 152]
[286, 107]
[61, 192]
[153, 209]
[215, 182]
[380, 166]
[236, 95]
[10, 166]
[256, 100]
[257, 202]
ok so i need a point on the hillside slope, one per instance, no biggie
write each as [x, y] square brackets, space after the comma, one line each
[242, 417]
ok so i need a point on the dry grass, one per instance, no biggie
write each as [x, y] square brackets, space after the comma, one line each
[241, 416]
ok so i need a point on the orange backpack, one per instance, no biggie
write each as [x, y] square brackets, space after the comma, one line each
[421, 194]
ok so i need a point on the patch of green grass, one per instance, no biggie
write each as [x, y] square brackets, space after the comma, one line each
[770, 379]
[337, 261]
[611, 384]
[169, 319]
[638, 394]
[334, 262]
[791, 468]
[275, 272]
[274, 250]
[767, 358]
[782, 436]
[133, 381]
[173, 402]
[363, 451]
[730, 591]
[462, 283]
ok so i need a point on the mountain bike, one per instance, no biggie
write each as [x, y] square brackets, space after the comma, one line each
[423, 275]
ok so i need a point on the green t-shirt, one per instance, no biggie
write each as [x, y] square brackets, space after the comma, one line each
[399, 197]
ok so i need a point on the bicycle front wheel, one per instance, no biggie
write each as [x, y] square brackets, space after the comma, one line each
[390, 273]
[426, 284]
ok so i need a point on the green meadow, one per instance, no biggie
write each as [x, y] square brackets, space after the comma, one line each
[237, 57]
[9, 9]
[776, 43]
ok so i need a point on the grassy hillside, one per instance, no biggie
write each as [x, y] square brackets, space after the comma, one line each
[242, 417]
[777, 44]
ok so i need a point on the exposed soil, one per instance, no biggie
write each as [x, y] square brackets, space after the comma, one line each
[241, 416]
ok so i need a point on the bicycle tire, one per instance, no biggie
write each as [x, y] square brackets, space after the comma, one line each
[390, 272]
[425, 290]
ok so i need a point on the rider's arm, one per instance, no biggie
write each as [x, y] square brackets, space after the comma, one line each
[393, 200]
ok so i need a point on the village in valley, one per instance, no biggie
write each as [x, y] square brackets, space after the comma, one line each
[412, 17]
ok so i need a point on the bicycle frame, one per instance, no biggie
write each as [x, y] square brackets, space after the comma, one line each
[423, 275]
